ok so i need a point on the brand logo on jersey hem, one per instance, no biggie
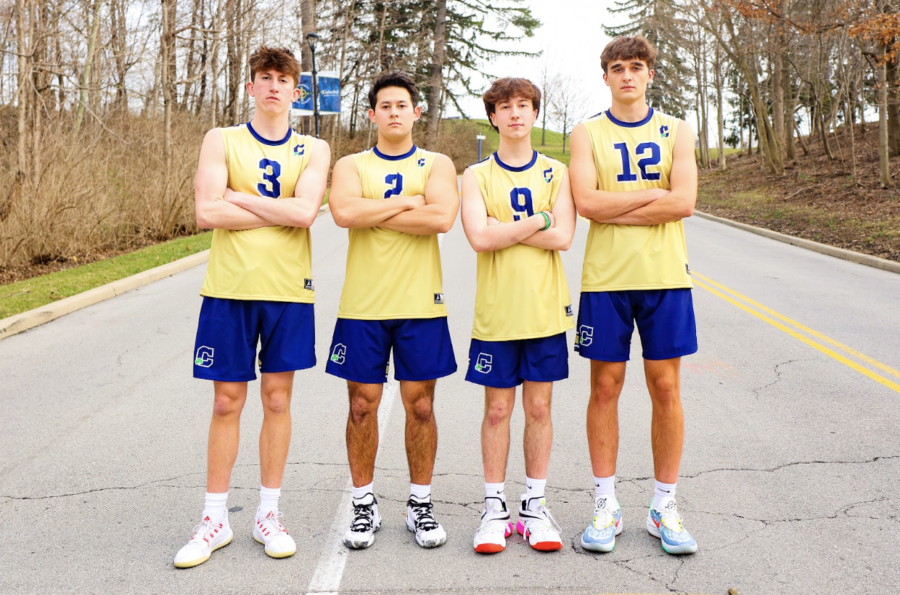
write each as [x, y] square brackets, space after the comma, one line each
[338, 353]
[308, 284]
[483, 363]
[439, 298]
[204, 357]
[687, 268]
[569, 311]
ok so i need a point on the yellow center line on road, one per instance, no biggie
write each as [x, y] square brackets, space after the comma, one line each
[797, 335]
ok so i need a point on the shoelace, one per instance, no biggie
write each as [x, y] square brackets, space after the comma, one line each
[672, 519]
[603, 518]
[424, 515]
[205, 531]
[273, 523]
[363, 517]
[543, 517]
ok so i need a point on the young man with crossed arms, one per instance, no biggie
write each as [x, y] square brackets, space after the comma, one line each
[259, 186]
[394, 198]
[518, 214]
[634, 176]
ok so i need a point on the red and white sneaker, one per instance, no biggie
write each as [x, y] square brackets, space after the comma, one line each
[538, 526]
[208, 536]
[270, 532]
[490, 537]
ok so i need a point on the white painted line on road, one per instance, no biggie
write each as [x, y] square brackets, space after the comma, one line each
[326, 579]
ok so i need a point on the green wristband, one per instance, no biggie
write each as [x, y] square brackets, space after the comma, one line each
[546, 221]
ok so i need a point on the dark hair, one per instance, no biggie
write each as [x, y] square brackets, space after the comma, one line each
[507, 88]
[278, 59]
[393, 79]
[628, 48]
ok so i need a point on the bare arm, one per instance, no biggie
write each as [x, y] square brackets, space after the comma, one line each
[349, 209]
[592, 203]
[680, 199]
[481, 234]
[441, 203]
[210, 186]
[301, 209]
[558, 237]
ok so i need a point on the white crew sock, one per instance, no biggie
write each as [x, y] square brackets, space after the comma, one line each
[268, 500]
[534, 488]
[214, 506]
[359, 492]
[494, 490]
[605, 487]
[662, 494]
[420, 491]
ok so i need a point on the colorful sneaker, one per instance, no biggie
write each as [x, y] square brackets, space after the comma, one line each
[366, 520]
[667, 525]
[538, 526]
[600, 535]
[490, 537]
[420, 519]
[270, 532]
[208, 537]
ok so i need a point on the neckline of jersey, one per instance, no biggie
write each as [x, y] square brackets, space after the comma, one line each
[521, 168]
[395, 157]
[629, 124]
[265, 141]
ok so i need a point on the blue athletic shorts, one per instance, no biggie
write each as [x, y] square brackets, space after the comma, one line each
[229, 331]
[665, 321]
[506, 364]
[361, 348]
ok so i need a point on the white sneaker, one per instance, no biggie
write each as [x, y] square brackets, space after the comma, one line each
[366, 520]
[490, 537]
[420, 520]
[208, 536]
[538, 526]
[270, 532]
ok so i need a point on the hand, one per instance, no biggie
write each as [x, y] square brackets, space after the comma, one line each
[492, 221]
[416, 201]
[230, 196]
[657, 193]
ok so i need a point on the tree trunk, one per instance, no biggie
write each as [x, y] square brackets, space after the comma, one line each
[24, 76]
[893, 106]
[790, 150]
[233, 19]
[83, 95]
[884, 165]
[119, 43]
[437, 69]
[167, 57]
[720, 109]
[307, 26]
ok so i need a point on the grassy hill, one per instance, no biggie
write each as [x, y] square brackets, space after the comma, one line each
[553, 147]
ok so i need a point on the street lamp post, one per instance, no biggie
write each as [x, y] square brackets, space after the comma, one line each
[480, 138]
[312, 39]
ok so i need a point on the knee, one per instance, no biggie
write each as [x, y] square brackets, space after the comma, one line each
[665, 393]
[277, 402]
[538, 411]
[498, 413]
[360, 408]
[420, 410]
[605, 391]
[227, 404]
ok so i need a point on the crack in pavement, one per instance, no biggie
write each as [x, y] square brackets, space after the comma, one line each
[757, 390]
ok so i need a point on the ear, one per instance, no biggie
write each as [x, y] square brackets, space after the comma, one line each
[418, 112]
[372, 116]
[650, 78]
[606, 79]
[491, 118]
[295, 96]
[250, 89]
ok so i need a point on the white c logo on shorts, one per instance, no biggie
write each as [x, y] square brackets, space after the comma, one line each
[337, 355]
[204, 357]
[483, 363]
[585, 335]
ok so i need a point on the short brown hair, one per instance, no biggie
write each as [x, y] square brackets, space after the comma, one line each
[393, 79]
[507, 88]
[628, 48]
[278, 59]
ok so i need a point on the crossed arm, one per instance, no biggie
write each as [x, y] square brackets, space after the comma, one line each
[432, 213]
[219, 207]
[637, 207]
[486, 233]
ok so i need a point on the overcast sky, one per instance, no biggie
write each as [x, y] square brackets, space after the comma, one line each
[571, 38]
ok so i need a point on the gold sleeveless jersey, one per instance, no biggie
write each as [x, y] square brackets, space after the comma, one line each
[269, 263]
[392, 274]
[522, 291]
[634, 156]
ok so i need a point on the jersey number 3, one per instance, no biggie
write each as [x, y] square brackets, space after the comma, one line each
[652, 159]
[271, 187]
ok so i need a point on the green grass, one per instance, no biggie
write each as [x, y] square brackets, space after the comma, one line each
[553, 147]
[714, 153]
[39, 291]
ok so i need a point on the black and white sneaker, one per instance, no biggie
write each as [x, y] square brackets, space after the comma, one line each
[366, 520]
[420, 519]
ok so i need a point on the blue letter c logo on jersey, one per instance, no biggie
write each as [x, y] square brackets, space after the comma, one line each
[338, 353]
[395, 183]
[585, 335]
[483, 363]
[204, 357]
[548, 175]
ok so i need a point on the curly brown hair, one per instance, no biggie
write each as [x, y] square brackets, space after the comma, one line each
[628, 48]
[507, 88]
[278, 59]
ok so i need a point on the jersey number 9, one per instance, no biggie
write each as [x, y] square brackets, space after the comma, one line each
[522, 205]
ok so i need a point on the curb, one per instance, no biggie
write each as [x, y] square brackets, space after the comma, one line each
[32, 318]
[850, 255]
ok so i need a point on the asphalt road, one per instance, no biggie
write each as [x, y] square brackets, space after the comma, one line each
[790, 476]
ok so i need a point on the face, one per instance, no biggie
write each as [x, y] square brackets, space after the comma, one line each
[514, 117]
[273, 91]
[394, 113]
[628, 79]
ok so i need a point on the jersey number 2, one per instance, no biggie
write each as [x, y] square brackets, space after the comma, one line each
[271, 187]
[652, 159]
[396, 185]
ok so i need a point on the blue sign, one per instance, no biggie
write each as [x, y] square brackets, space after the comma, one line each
[329, 94]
